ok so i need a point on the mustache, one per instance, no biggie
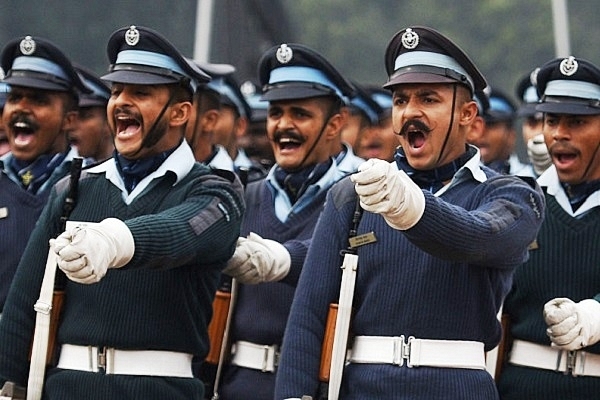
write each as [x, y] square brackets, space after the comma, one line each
[562, 147]
[278, 135]
[24, 119]
[126, 111]
[414, 124]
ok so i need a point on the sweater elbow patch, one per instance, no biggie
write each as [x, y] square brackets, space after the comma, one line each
[502, 217]
[213, 213]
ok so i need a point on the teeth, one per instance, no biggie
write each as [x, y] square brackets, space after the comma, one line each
[21, 125]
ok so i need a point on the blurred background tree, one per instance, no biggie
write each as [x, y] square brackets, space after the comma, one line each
[506, 38]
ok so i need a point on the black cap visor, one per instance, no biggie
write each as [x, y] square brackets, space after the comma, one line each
[37, 80]
[426, 74]
[568, 105]
[295, 91]
[527, 110]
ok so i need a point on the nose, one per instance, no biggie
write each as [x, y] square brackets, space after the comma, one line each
[284, 122]
[561, 130]
[411, 109]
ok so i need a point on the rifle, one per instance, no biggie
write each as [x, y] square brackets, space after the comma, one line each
[49, 305]
[219, 326]
[333, 351]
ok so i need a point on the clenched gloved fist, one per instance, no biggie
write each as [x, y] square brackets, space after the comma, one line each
[85, 252]
[258, 260]
[538, 154]
[385, 190]
[572, 326]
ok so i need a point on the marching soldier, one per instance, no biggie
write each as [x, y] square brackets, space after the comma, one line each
[155, 229]
[305, 94]
[439, 239]
[39, 110]
[553, 306]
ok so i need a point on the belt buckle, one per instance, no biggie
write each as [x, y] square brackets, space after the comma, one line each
[571, 362]
[266, 358]
[101, 359]
[402, 351]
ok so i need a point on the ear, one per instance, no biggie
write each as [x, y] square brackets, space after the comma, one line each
[209, 119]
[180, 113]
[70, 121]
[468, 112]
[241, 127]
[476, 130]
[335, 125]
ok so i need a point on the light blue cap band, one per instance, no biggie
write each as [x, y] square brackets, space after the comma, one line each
[302, 74]
[220, 86]
[383, 100]
[152, 59]
[364, 107]
[39, 64]
[567, 88]
[500, 105]
[431, 59]
[96, 89]
[530, 95]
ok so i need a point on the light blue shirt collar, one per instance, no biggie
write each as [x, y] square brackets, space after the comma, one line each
[180, 162]
[471, 170]
[283, 206]
[549, 180]
[221, 160]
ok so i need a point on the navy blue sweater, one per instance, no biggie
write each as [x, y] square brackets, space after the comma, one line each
[262, 310]
[444, 278]
[21, 210]
[564, 263]
[161, 300]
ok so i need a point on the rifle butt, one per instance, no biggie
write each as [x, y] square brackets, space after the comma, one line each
[216, 327]
[327, 347]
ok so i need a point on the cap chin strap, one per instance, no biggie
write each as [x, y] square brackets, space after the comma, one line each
[587, 169]
[195, 131]
[154, 135]
[450, 125]
[329, 116]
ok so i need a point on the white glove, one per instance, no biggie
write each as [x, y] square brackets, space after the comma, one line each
[538, 154]
[385, 190]
[86, 252]
[572, 326]
[258, 260]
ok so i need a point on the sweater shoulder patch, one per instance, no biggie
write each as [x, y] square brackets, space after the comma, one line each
[343, 192]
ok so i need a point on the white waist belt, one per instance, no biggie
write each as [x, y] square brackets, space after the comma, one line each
[125, 362]
[576, 363]
[255, 356]
[417, 352]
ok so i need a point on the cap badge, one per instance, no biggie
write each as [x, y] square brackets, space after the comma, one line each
[410, 39]
[284, 54]
[132, 36]
[27, 46]
[568, 66]
[533, 76]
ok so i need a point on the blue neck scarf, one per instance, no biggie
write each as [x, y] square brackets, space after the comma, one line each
[133, 171]
[432, 179]
[33, 174]
[295, 183]
[577, 194]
